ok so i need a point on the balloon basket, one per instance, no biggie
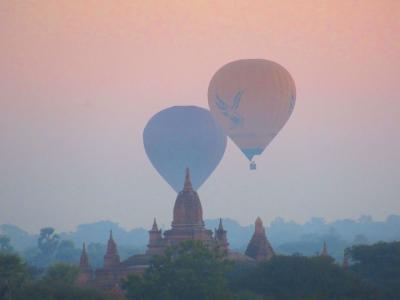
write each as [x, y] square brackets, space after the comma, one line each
[253, 166]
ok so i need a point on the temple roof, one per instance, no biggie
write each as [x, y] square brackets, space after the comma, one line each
[324, 251]
[137, 260]
[84, 260]
[188, 212]
[259, 247]
[345, 263]
[111, 245]
[220, 227]
[111, 258]
[155, 226]
[187, 186]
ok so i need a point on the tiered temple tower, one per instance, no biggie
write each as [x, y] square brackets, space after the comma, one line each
[156, 244]
[259, 247]
[111, 258]
[324, 251]
[345, 263]
[111, 273]
[221, 237]
[188, 221]
[85, 270]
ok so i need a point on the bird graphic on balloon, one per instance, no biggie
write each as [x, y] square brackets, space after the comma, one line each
[180, 137]
[231, 111]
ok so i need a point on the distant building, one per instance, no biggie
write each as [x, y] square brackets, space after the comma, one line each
[187, 224]
[259, 247]
[85, 274]
[345, 263]
[324, 251]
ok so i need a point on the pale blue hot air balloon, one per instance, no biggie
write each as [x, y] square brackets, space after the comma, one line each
[183, 137]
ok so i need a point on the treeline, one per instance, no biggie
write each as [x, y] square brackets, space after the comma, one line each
[19, 281]
[287, 237]
[51, 248]
[193, 271]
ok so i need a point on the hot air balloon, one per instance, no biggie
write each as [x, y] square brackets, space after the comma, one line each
[183, 137]
[252, 99]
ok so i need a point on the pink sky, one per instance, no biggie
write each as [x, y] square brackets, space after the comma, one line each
[80, 79]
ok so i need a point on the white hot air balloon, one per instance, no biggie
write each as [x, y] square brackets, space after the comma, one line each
[252, 99]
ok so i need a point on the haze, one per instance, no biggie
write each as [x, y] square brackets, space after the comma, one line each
[80, 79]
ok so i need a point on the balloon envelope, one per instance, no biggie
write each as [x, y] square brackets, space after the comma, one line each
[252, 99]
[184, 136]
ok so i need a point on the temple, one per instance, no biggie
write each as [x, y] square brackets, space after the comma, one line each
[259, 247]
[345, 263]
[85, 274]
[324, 251]
[187, 224]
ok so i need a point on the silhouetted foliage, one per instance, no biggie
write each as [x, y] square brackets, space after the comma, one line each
[48, 241]
[379, 264]
[42, 290]
[47, 244]
[51, 250]
[62, 272]
[5, 245]
[299, 277]
[66, 252]
[13, 275]
[287, 237]
[188, 271]
[16, 282]
[194, 271]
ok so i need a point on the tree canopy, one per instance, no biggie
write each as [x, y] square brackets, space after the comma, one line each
[5, 245]
[188, 271]
[379, 264]
[300, 277]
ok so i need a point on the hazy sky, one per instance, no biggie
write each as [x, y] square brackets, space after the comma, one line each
[80, 79]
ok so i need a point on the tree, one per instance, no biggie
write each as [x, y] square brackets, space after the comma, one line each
[5, 245]
[188, 271]
[59, 282]
[96, 254]
[48, 241]
[360, 239]
[66, 252]
[379, 264]
[44, 254]
[13, 274]
[58, 290]
[61, 272]
[299, 277]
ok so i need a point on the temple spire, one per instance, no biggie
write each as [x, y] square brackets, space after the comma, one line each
[259, 247]
[111, 258]
[324, 250]
[188, 212]
[155, 240]
[84, 261]
[259, 228]
[155, 226]
[345, 264]
[220, 227]
[111, 246]
[221, 237]
[85, 271]
[188, 182]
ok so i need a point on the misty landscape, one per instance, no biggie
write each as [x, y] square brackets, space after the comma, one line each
[287, 238]
[199, 150]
